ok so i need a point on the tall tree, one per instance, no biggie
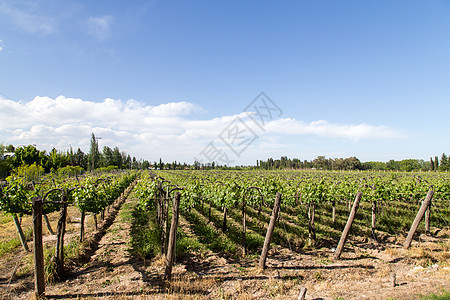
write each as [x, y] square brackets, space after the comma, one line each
[94, 154]
[117, 157]
[444, 162]
[80, 159]
[107, 157]
[436, 163]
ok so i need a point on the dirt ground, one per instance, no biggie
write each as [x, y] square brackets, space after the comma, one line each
[363, 272]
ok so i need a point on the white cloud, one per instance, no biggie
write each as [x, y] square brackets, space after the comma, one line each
[24, 15]
[166, 130]
[323, 128]
[99, 27]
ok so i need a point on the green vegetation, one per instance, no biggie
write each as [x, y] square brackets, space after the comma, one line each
[445, 295]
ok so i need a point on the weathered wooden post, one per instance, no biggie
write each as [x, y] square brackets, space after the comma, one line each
[224, 223]
[23, 240]
[49, 226]
[419, 216]
[374, 219]
[333, 214]
[172, 237]
[428, 218]
[39, 279]
[311, 225]
[347, 227]
[273, 219]
[244, 229]
[83, 216]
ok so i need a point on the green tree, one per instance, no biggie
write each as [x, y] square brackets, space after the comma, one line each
[27, 155]
[80, 159]
[107, 157]
[444, 162]
[436, 163]
[94, 155]
[117, 157]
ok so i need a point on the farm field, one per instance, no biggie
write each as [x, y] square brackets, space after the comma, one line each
[217, 254]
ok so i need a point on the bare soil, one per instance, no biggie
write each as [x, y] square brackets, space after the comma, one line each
[363, 272]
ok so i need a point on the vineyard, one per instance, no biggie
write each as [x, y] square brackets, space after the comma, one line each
[238, 234]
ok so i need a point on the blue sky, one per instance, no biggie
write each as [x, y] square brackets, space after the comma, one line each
[166, 78]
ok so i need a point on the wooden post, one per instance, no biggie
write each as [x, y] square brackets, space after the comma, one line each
[374, 219]
[95, 221]
[428, 218]
[273, 219]
[39, 278]
[209, 213]
[172, 237]
[60, 231]
[312, 227]
[347, 227]
[22, 238]
[333, 215]
[49, 226]
[165, 224]
[224, 223]
[83, 216]
[244, 242]
[419, 216]
[61, 255]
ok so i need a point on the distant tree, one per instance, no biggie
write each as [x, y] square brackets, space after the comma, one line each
[431, 164]
[320, 163]
[94, 155]
[117, 157]
[145, 165]
[2, 149]
[444, 162]
[80, 159]
[436, 163]
[27, 155]
[107, 157]
[128, 161]
[10, 148]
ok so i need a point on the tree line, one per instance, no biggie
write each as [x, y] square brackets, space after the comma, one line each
[111, 158]
[353, 163]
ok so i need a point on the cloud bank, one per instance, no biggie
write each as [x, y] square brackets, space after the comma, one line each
[167, 130]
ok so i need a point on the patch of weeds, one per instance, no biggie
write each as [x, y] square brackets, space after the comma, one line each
[318, 276]
[445, 295]
[186, 244]
[276, 288]
[324, 261]
[422, 256]
[26, 267]
[242, 270]
[50, 265]
[106, 283]
[72, 250]
[9, 245]
[145, 234]
[209, 236]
